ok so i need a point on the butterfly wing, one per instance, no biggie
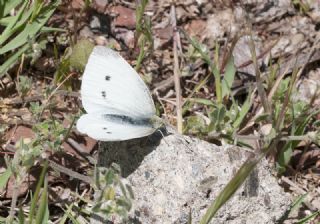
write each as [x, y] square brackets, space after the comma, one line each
[99, 127]
[110, 85]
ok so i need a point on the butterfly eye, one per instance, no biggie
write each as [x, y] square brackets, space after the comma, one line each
[107, 78]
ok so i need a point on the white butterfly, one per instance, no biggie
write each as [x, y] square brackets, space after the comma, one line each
[117, 101]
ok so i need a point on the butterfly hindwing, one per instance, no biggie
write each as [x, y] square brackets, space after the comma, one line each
[103, 128]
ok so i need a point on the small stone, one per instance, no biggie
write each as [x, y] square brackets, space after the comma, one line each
[101, 40]
[100, 5]
[125, 17]
[197, 28]
[86, 32]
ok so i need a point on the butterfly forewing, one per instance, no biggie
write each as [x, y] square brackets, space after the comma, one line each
[111, 85]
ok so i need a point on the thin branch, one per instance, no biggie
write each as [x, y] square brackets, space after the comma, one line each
[176, 71]
[261, 91]
[70, 172]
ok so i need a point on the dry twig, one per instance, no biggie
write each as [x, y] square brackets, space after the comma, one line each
[176, 38]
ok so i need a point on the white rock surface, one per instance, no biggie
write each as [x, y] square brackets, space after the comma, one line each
[178, 174]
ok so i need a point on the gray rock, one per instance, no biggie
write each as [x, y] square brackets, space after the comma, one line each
[177, 174]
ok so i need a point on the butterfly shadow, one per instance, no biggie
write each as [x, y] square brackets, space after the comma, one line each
[130, 153]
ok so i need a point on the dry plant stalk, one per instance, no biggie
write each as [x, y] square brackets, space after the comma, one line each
[176, 71]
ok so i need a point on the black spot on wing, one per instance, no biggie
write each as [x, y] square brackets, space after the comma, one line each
[108, 132]
[107, 78]
[103, 94]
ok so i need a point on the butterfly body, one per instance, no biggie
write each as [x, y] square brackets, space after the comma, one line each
[117, 101]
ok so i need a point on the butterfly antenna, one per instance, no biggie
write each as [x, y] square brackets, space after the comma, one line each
[159, 130]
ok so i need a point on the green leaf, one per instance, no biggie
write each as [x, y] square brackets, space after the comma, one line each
[195, 125]
[130, 191]
[31, 29]
[12, 59]
[229, 190]
[80, 54]
[190, 217]
[38, 5]
[6, 6]
[36, 194]
[228, 77]
[297, 203]
[46, 29]
[205, 56]
[15, 23]
[243, 112]
[67, 212]
[4, 177]
[21, 216]
[202, 101]
[217, 117]
[43, 210]
[286, 152]
[309, 218]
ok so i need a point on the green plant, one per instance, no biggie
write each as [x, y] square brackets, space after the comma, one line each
[303, 6]
[22, 29]
[143, 34]
[24, 85]
[114, 196]
[296, 119]
[18, 167]
[222, 121]
[22, 24]
[42, 214]
[224, 117]
[74, 59]
[49, 136]
[4, 177]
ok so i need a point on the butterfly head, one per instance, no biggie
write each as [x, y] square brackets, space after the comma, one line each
[156, 122]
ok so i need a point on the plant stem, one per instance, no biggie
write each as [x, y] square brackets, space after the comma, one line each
[176, 71]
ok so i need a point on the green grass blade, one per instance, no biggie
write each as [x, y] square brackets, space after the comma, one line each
[4, 177]
[31, 29]
[15, 23]
[12, 59]
[38, 5]
[213, 67]
[229, 190]
[6, 6]
[202, 101]
[43, 210]
[190, 217]
[14, 19]
[72, 218]
[66, 214]
[309, 218]
[243, 112]
[286, 152]
[21, 216]
[37, 192]
[6, 20]
[46, 29]
[228, 77]
[298, 202]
